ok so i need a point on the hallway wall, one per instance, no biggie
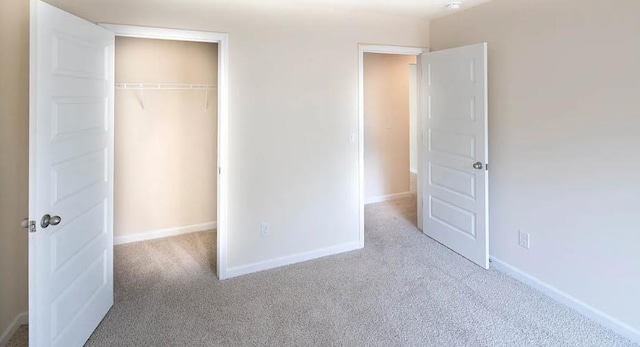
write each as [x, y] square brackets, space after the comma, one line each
[386, 125]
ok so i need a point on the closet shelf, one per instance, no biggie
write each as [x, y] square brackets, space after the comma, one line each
[167, 86]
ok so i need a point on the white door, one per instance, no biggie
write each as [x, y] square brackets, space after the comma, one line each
[70, 177]
[455, 186]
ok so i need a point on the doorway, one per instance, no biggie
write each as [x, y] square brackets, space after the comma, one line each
[452, 146]
[410, 53]
[208, 96]
[390, 105]
[165, 158]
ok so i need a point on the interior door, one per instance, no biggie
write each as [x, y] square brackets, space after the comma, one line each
[455, 187]
[71, 177]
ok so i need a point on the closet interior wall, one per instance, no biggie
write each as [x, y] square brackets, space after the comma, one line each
[165, 139]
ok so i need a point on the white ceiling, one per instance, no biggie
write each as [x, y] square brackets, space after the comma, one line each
[412, 8]
[424, 9]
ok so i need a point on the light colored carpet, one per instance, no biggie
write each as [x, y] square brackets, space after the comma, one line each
[403, 289]
[20, 338]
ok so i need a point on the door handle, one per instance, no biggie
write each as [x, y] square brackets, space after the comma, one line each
[477, 166]
[49, 220]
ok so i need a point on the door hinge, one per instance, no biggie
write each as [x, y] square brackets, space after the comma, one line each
[219, 170]
[32, 226]
[486, 166]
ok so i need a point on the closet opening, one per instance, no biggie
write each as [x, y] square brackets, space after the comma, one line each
[166, 158]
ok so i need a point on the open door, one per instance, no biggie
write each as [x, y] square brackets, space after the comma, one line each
[455, 150]
[70, 177]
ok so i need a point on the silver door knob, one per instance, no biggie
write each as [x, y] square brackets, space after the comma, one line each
[49, 220]
[477, 166]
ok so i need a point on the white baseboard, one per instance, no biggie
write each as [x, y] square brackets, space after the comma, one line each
[389, 197]
[581, 307]
[290, 259]
[21, 319]
[156, 234]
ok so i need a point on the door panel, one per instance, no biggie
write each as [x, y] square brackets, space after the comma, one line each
[71, 176]
[455, 194]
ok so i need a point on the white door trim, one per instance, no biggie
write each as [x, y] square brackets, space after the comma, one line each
[381, 49]
[222, 39]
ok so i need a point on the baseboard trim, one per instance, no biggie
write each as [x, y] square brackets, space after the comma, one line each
[290, 259]
[581, 307]
[387, 197]
[21, 319]
[157, 234]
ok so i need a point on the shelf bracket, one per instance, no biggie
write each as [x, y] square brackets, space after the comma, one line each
[206, 97]
[142, 97]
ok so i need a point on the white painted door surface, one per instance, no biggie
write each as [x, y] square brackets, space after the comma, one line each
[455, 149]
[71, 176]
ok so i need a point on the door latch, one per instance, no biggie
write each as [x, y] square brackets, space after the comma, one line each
[27, 224]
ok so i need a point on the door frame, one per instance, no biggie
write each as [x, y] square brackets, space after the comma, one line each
[222, 39]
[384, 49]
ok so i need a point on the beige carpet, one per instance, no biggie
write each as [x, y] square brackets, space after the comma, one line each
[403, 289]
[20, 338]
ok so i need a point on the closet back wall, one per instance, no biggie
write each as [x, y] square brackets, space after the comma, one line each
[166, 153]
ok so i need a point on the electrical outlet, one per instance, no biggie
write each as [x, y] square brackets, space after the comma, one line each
[523, 239]
[265, 229]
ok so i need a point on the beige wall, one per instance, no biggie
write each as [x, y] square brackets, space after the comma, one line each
[386, 124]
[564, 141]
[14, 123]
[293, 102]
[165, 154]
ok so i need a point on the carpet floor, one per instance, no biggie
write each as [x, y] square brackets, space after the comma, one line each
[402, 289]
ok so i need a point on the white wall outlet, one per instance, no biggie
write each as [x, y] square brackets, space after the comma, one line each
[265, 229]
[523, 239]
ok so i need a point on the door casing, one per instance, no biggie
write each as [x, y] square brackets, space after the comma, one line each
[222, 39]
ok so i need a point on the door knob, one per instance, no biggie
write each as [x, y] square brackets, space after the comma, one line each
[49, 220]
[477, 166]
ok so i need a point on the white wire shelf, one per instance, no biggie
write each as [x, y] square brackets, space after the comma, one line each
[167, 86]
